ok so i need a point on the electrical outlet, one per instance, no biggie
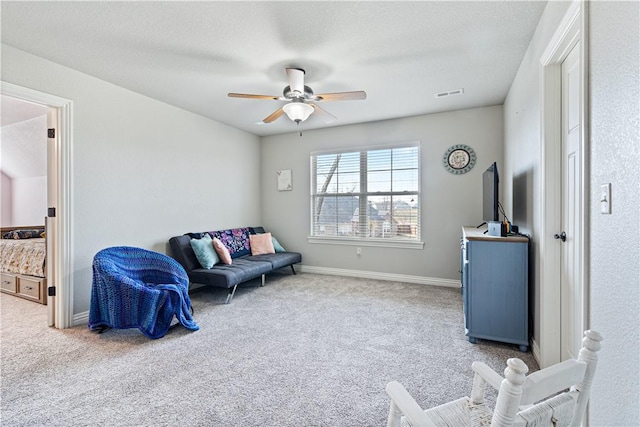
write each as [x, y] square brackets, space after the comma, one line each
[358, 251]
[605, 198]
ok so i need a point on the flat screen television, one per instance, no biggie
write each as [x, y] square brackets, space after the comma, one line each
[490, 181]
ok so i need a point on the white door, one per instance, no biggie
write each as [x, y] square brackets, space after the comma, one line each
[52, 197]
[571, 281]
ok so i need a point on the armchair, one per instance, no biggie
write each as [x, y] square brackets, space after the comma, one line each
[136, 288]
[556, 395]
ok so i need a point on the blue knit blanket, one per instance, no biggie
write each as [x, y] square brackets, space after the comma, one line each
[136, 288]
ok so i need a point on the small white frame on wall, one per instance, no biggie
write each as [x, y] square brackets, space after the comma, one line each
[284, 180]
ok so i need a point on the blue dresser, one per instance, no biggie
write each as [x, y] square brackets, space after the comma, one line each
[495, 291]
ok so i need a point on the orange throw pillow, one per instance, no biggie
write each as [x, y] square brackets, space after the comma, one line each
[222, 251]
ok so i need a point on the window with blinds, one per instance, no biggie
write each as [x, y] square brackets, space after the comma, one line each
[366, 194]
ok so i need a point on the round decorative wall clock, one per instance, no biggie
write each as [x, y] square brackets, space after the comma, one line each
[459, 159]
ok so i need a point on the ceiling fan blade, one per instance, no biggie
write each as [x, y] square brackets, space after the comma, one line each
[341, 96]
[323, 114]
[248, 95]
[296, 79]
[273, 116]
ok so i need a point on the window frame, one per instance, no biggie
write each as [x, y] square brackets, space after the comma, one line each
[363, 195]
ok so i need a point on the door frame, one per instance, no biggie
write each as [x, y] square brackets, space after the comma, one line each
[572, 29]
[63, 302]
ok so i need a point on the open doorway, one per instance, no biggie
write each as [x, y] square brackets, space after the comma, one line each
[56, 130]
[24, 194]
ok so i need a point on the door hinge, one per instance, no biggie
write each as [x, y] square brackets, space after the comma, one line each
[51, 212]
[51, 291]
[51, 133]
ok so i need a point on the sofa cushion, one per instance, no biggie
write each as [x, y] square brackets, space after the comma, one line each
[222, 251]
[236, 240]
[227, 276]
[261, 244]
[206, 254]
[277, 260]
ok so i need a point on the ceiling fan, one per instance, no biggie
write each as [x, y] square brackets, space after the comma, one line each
[302, 99]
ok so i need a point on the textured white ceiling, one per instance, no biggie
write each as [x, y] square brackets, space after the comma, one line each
[191, 54]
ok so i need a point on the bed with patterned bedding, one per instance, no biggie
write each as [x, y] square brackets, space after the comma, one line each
[23, 256]
[23, 264]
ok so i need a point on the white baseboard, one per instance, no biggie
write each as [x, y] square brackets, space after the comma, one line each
[535, 348]
[432, 281]
[81, 318]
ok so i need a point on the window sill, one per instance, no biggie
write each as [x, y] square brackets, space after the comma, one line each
[382, 243]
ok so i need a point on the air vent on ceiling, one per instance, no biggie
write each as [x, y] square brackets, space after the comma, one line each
[449, 93]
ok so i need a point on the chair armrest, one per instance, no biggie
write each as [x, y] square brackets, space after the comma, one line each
[492, 378]
[407, 405]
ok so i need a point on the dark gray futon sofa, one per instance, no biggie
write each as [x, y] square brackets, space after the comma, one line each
[243, 267]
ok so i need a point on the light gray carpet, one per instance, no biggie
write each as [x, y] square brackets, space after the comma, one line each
[305, 350]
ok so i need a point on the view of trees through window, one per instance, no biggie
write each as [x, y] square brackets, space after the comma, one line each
[366, 194]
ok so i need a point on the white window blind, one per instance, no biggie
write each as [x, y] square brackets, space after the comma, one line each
[366, 194]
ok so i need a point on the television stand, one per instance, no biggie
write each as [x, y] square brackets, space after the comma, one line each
[495, 289]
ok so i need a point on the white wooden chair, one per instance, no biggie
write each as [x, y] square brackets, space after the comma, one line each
[556, 395]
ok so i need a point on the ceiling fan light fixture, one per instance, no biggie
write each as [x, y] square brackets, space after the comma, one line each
[298, 94]
[298, 111]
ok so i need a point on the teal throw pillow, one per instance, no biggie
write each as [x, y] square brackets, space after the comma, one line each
[277, 246]
[206, 254]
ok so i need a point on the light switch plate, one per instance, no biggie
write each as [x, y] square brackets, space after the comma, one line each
[605, 198]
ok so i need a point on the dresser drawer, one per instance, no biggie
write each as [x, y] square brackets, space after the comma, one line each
[8, 283]
[30, 287]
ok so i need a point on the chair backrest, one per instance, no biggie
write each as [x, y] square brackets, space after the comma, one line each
[567, 408]
[139, 264]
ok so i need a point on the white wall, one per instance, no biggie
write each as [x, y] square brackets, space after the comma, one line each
[522, 122]
[24, 167]
[448, 201]
[615, 153]
[143, 171]
[29, 201]
[615, 239]
[6, 219]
